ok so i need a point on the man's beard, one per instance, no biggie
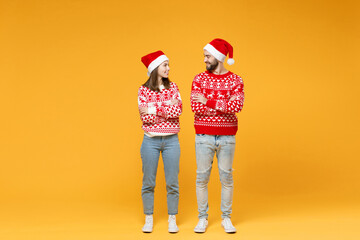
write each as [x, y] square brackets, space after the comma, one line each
[212, 65]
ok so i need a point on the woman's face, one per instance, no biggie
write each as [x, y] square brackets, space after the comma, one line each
[163, 70]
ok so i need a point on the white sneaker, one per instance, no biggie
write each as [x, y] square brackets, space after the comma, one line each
[227, 225]
[173, 228]
[148, 227]
[201, 226]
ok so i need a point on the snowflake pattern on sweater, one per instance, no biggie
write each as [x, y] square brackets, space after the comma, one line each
[166, 117]
[225, 94]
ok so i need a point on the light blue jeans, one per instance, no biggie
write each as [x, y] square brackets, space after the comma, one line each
[151, 148]
[206, 146]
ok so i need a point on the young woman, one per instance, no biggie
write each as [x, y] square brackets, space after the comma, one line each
[160, 107]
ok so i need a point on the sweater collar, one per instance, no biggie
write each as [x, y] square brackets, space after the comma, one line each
[219, 76]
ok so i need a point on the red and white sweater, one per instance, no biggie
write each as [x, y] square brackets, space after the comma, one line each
[217, 116]
[162, 118]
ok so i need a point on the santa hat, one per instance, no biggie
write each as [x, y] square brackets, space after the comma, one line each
[153, 60]
[219, 48]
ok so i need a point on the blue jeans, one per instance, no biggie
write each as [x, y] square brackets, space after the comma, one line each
[150, 152]
[206, 146]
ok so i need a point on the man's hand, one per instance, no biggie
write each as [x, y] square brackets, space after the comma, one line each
[200, 98]
[143, 110]
[232, 98]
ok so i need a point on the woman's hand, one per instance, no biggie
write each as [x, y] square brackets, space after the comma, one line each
[174, 101]
[200, 98]
[143, 110]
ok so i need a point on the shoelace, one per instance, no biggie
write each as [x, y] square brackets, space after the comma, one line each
[202, 223]
[172, 219]
[148, 220]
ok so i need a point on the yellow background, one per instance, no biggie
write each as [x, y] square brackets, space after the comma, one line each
[70, 132]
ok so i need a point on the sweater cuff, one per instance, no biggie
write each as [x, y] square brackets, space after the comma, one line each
[152, 110]
[211, 103]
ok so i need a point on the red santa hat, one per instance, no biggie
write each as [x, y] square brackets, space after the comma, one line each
[219, 48]
[153, 60]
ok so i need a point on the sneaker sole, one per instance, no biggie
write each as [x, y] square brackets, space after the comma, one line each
[173, 230]
[228, 231]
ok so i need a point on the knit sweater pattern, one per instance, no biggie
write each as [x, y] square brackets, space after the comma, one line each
[165, 119]
[225, 98]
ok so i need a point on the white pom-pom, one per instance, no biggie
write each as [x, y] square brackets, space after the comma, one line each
[230, 61]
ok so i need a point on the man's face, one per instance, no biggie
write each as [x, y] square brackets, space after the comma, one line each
[210, 61]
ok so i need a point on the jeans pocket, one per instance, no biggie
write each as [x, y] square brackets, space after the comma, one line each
[200, 139]
[230, 140]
